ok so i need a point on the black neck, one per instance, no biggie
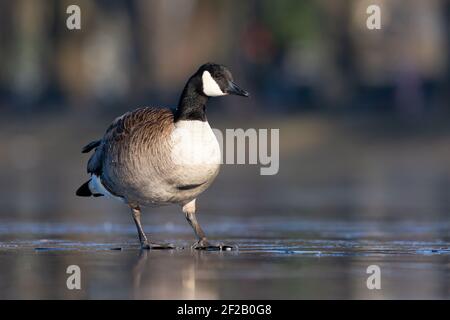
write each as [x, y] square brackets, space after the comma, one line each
[192, 105]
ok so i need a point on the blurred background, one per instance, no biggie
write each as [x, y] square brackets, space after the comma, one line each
[363, 114]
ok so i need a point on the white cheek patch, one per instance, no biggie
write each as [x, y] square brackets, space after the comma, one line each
[210, 86]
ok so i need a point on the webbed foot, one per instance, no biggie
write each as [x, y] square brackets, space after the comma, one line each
[156, 246]
[207, 246]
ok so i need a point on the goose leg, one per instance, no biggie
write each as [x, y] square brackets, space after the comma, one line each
[202, 243]
[145, 244]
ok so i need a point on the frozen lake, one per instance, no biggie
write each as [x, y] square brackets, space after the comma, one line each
[278, 258]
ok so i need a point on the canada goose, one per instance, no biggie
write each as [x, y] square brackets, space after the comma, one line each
[152, 157]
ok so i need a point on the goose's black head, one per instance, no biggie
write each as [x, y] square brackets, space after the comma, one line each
[216, 81]
[210, 80]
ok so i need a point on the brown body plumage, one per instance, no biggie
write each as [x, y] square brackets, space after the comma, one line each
[134, 161]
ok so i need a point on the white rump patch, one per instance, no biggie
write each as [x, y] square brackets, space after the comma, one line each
[96, 187]
[210, 86]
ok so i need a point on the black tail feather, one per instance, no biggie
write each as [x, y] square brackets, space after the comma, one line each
[90, 146]
[84, 190]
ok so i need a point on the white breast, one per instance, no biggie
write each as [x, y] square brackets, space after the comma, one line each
[194, 144]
